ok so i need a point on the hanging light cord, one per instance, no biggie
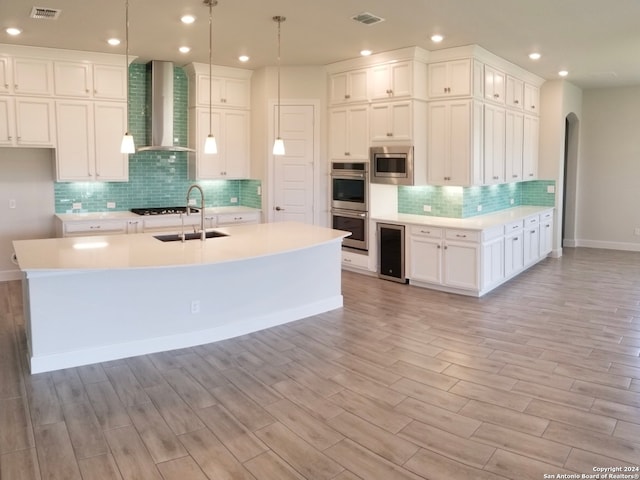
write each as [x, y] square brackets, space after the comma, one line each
[279, 20]
[210, 60]
[126, 53]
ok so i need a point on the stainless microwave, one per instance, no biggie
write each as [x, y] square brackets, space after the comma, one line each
[392, 165]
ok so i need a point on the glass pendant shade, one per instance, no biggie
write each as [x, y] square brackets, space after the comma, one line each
[278, 147]
[210, 145]
[127, 145]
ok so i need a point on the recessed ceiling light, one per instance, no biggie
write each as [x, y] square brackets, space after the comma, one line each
[365, 53]
[243, 58]
[188, 19]
[437, 38]
[184, 49]
[535, 56]
[13, 31]
[113, 42]
[563, 73]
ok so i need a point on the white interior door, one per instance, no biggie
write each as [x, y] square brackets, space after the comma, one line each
[293, 179]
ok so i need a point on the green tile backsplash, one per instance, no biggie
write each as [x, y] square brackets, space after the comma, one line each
[156, 178]
[463, 202]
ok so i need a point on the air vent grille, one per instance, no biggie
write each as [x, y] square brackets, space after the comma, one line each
[45, 13]
[367, 18]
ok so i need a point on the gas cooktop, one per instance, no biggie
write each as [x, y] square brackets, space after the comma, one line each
[163, 210]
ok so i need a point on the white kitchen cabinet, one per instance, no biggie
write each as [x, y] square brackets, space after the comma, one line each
[172, 223]
[493, 257]
[32, 123]
[92, 227]
[348, 87]
[5, 75]
[455, 78]
[531, 99]
[110, 82]
[514, 131]
[494, 144]
[32, 76]
[391, 80]
[514, 92]
[513, 248]
[72, 79]
[530, 148]
[349, 132]
[531, 243]
[231, 129]
[227, 92]
[88, 141]
[449, 258]
[454, 149]
[391, 121]
[494, 85]
[546, 233]
[237, 218]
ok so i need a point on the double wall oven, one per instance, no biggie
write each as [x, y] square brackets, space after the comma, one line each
[350, 202]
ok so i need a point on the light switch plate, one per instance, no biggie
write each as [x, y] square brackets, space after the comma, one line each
[76, 206]
[111, 204]
[479, 208]
[426, 208]
[551, 189]
[234, 199]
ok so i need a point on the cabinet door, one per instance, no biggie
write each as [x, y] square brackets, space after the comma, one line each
[75, 149]
[72, 79]
[5, 76]
[531, 245]
[32, 76]
[460, 142]
[514, 93]
[546, 237]
[494, 144]
[438, 74]
[381, 82]
[391, 121]
[339, 89]
[461, 265]
[207, 165]
[426, 260]
[447, 79]
[438, 143]
[514, 130]
[338, 120]
[110, 121]
[494, 85]
[34, 122]
[530, 148]
[348, 87]
[110, 82]
[531, 99]
[7, 121]
[235, 144]
[513, 253]
[236, 93]
[391, 80]
[492, 262]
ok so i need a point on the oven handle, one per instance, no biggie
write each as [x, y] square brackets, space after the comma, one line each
[348, 213]
[348, 176]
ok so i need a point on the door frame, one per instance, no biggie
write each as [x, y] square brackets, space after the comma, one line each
[267, 204]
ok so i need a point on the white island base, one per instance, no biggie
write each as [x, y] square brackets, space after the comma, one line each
[78, 317]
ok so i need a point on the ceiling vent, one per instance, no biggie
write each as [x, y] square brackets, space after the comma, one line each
[367, 18]
[45, 13]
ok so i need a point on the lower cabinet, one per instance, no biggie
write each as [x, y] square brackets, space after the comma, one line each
[237, 218]
[546, 233]
[355, 261]
[89, 228]
[531, 240]
[513, 248]
[493, 257]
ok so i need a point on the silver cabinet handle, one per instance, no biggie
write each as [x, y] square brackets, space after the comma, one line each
[279, 209]
[460, 236]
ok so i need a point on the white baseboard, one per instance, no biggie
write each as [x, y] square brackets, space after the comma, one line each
[626, 246]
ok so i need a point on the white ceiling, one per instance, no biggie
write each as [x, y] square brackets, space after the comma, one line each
[597, 41]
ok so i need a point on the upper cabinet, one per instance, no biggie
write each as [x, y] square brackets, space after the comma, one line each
[531, 99]
[349, 87]
[27, 122]
[494, 85]
[514, 93]
[230, 87]
[32, 76]
[90, 80]
[455, 78]
[392, 80]
[5, 74]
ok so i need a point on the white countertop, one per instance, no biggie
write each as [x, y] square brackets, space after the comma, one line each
[123, 215]
[142, 250]
[480, 222]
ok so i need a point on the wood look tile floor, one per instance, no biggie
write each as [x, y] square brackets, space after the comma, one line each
[541, 376]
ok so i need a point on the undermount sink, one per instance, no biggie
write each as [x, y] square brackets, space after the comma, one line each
[175, 237]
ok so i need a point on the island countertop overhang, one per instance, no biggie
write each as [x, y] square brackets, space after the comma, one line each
[144, 251]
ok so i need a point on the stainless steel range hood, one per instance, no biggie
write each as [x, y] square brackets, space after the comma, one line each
[161, 103]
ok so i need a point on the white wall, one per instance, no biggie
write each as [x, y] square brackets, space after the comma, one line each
[609, 169]
[26, 176]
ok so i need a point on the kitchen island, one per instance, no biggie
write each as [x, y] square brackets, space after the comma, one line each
[100, 298]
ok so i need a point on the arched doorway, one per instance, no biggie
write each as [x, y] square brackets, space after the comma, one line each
[570, 180]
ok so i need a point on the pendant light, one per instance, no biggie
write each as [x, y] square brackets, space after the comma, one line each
[278, 145]
[210, 145]
[127, 145]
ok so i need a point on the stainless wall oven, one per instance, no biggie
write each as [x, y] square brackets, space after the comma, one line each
[350, 202]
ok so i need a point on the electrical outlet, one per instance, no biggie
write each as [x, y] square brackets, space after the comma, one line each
[259, 190]
[479, 208]
[195, 306]
[12, 203]
[511, 201]
[234, 200]
[76, 206]
[111, 204]
[551, 189]
[426, 208]
[192, 201]
[637, 231]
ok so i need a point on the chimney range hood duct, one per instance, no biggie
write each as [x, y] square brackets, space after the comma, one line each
[161, 103]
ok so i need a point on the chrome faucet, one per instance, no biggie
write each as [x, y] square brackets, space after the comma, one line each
[203, 235]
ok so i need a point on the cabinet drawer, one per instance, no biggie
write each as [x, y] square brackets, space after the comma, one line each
[355, 260]
[546, 216]
[94, 228]
[532, 221]
[462, 235]
[230, 218]
[426, 231]
[513, 226]
[491, 233]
